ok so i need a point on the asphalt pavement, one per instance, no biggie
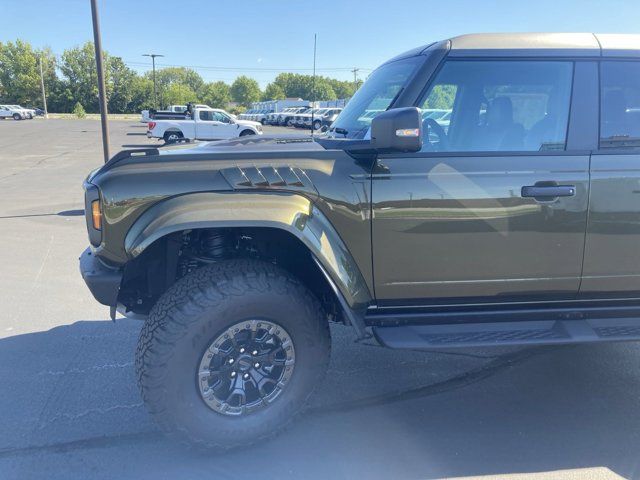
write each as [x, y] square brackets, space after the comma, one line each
[70, 408]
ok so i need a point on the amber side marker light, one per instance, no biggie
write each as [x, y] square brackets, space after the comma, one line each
[96, 214]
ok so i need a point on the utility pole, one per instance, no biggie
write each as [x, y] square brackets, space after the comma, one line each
[355, 78]
[153, 62]
[313, 82]
[97, 41]
[44, 96]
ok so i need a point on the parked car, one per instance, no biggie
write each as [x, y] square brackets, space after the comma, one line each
[516, 227]
[262, 116]
[328, 118]
[16, 112]
[37, 111]
[203, 124]
[272, 118]
[287, 118]
[246, 115]
[320, 117]
[177, 112]
[292, 120]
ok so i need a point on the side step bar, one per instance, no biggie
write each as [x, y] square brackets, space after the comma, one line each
[545, 332]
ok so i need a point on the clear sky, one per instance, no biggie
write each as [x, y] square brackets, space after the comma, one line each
[262, 37]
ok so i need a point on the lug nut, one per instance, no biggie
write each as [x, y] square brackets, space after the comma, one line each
[255, 352]
[246, 376]
[231, 360]
[233, 374]
[256, 365]
[242, 350]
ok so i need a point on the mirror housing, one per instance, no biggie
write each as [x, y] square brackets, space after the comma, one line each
[397, 130]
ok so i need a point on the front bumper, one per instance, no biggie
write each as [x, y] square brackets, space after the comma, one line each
[103, 282]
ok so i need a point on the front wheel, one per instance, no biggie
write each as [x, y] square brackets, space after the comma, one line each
[230, 353]
[317, 124]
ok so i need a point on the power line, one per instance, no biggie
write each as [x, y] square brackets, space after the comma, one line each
[248, 69]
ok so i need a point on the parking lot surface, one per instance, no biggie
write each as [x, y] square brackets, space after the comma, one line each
[70, 407]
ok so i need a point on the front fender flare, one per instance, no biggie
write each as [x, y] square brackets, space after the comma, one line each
[293, 213]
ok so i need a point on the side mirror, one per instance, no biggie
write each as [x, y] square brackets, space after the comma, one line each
[397, 130]
[324, 128]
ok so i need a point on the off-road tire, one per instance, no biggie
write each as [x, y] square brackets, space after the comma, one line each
[193, 312]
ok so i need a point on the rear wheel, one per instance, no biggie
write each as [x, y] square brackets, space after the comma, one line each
[231, 353]
[172, 137]
[16, 116]
[317, 124]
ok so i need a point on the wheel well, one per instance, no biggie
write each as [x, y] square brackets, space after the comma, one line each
[175, 255]
[247, 131]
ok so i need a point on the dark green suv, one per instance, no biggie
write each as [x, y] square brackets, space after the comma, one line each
[482, 190]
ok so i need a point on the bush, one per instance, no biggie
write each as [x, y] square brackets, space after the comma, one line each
[78, 110]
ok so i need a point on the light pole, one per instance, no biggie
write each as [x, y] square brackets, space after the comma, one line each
[44, 95]
[153, 62]
[100, 70]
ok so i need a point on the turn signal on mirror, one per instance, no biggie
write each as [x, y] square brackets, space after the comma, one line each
[408, 132]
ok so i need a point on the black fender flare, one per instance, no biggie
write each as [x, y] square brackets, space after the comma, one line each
[290, 212]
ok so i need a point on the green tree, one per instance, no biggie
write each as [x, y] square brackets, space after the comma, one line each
[121, 85]
[142, 94]
[78, 110]
[273, 92]
[175, 75]
[245, 90]
[178, 94]
[19, 73]
[295, 85]
[216, 94]
[79, 67]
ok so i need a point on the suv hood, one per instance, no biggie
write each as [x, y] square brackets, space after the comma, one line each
[249, 144]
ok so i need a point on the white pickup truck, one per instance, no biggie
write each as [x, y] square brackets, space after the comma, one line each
[206, 124]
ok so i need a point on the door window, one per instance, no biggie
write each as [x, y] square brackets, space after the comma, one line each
[620, 105]
[220, 117]
[498, 106]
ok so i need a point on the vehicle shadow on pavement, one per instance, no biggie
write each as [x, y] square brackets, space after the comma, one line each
[70, 400]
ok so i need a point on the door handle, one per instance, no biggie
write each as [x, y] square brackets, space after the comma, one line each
[548, 192]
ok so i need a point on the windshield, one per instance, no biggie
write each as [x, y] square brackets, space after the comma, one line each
[375, 96]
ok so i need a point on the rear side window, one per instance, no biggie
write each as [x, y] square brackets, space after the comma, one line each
[498, 106]
[620, 105]
[206, 115]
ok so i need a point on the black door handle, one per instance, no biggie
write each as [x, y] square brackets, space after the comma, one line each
[548, 192]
